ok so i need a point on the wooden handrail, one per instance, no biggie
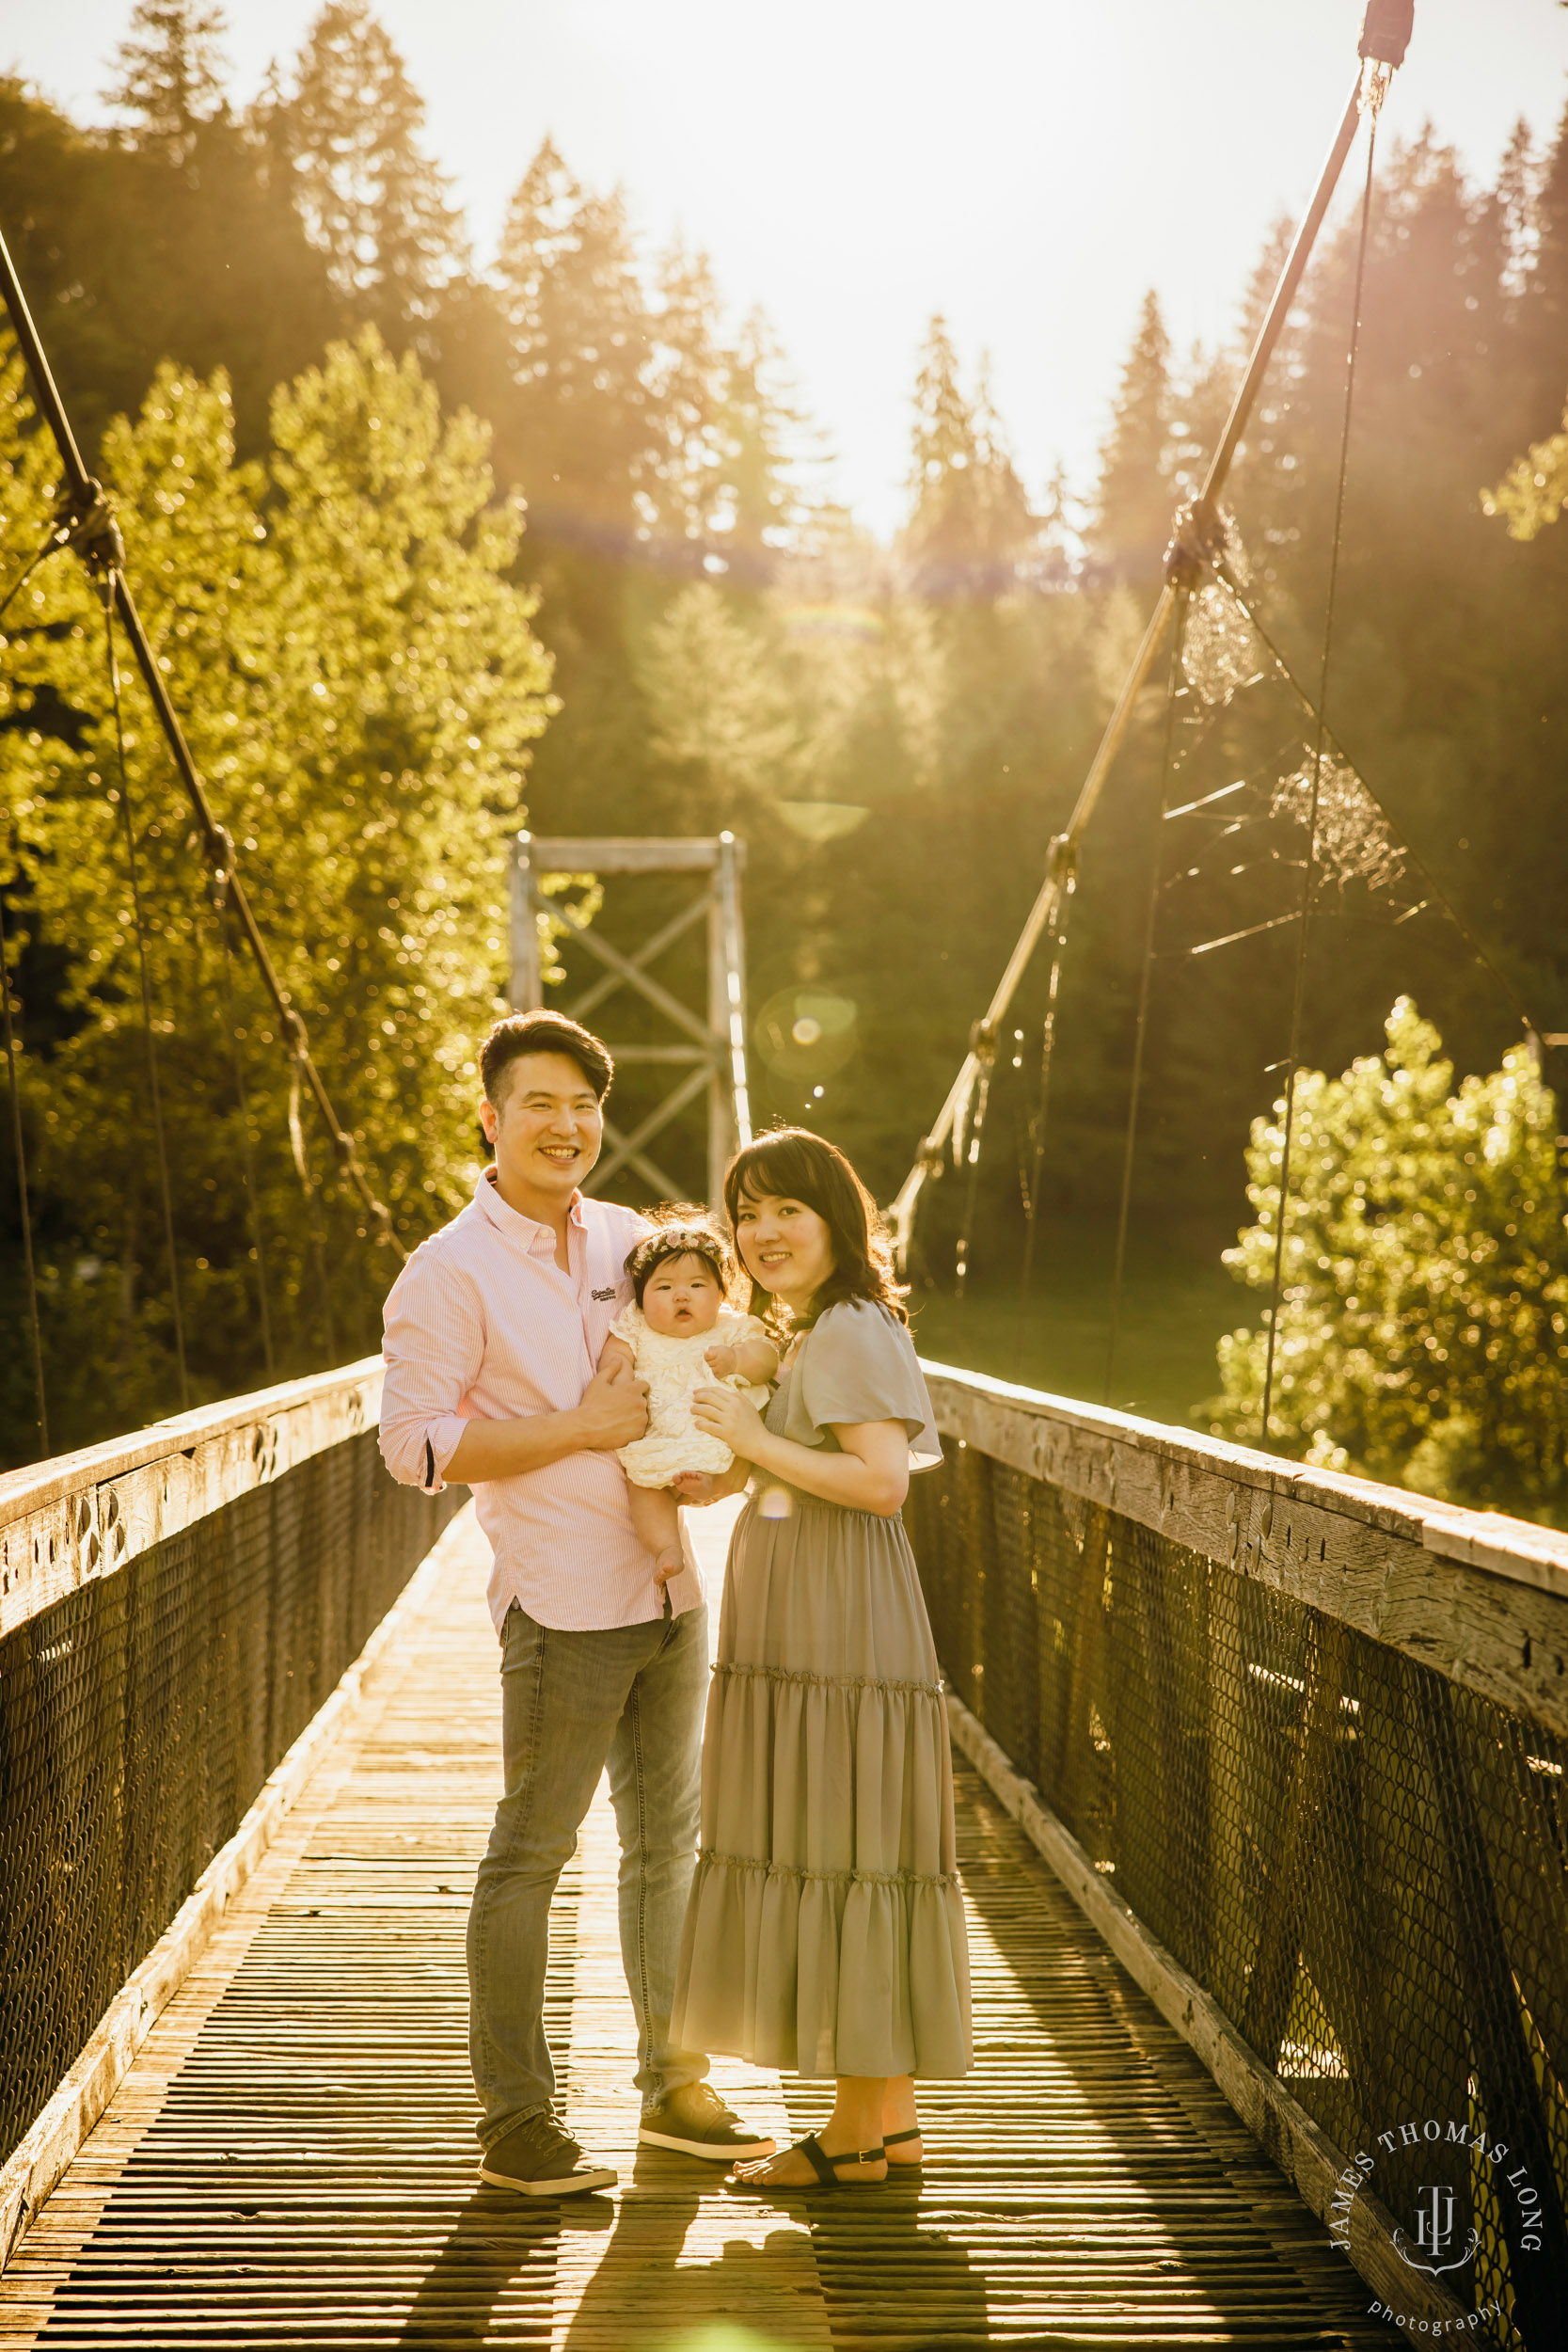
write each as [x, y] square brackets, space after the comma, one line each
[1480, 1597]
[81, 1515]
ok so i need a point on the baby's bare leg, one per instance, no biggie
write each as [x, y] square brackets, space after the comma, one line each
[656, 1515]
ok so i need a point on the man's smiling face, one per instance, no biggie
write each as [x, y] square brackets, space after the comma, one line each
[546, 1130]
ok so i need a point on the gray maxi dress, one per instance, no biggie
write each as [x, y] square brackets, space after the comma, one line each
[825, 1930]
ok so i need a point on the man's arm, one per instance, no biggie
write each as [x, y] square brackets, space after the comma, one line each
[434, 1347]
[613, 1412]
[434, 1344]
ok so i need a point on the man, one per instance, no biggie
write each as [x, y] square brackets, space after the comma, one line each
[493, 1332]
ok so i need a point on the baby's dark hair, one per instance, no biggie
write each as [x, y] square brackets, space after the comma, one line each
[680, 1236]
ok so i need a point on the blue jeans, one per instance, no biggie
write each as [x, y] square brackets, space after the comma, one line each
[632, 1696]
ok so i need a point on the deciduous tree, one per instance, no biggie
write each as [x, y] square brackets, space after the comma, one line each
[1423, 1334]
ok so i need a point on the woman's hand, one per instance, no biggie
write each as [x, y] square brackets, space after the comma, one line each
[725, 1414]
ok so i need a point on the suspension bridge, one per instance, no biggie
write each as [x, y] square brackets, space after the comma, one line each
[1261, 1770]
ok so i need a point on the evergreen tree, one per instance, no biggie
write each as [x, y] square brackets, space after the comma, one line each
[1545, 306]
[372, 201]
[1518, 202]
[1008, 529]
[580, 336]
[686, 394]
[720, 701]
[939, 536]
[172, 74]
[1133, 501]
[970, 525]
[761, 511]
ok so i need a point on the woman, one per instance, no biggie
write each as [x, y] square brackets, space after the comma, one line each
[826, 1930]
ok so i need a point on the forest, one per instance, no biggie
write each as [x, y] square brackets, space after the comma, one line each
[433, 549]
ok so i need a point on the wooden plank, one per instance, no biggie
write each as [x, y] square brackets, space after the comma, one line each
[1486, 1606]
[66, 1522]
[36, 2165]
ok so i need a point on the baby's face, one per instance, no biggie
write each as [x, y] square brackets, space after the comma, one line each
[682, 1298]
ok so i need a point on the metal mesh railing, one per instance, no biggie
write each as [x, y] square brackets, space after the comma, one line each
[1361, 1861]
[140, 1715]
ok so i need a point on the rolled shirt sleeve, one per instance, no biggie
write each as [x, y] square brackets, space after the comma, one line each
[434, 1346]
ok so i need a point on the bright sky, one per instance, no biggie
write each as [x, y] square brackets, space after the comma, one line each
[1027, 167]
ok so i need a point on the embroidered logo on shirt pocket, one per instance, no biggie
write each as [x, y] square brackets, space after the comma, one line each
[602, 1295]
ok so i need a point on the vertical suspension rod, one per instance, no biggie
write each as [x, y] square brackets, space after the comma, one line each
[100, 540]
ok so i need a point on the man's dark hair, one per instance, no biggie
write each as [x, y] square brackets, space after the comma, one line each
[542, 1033]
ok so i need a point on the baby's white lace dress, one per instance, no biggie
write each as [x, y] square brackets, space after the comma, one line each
[675, 1369]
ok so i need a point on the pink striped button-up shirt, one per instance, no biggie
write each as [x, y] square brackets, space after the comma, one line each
[482, 1323]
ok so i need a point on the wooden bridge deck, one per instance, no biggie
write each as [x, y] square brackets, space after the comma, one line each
[291, 2162]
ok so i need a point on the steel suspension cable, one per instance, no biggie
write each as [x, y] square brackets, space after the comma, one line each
[148, 1032]
[313, 1216]
[20, 1141]
[1184, 598]
[248, 1158]
[1034, 1182]
[1310, 871]
[983, 1049]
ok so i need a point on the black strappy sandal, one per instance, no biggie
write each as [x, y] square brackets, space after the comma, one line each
[897, 2139]
[821, 2164]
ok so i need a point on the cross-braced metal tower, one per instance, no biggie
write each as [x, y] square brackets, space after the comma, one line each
[714, 1048]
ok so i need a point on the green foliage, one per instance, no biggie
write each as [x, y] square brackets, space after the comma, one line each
[1423, 1334]
[1532, 492]
[897, 732]
[361, 685]
[91, 222]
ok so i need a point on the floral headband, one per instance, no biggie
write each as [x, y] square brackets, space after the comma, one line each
[678, 1240]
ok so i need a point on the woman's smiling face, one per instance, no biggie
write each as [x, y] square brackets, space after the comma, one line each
[783, 1244]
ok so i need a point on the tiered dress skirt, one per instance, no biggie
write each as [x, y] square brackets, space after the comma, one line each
[826, 1928]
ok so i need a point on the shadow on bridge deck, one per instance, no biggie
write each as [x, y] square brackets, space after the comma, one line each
[291, 2162]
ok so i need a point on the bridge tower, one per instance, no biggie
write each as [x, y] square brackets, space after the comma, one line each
[708, 1051]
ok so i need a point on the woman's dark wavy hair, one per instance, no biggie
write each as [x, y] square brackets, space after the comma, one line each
[793, 1164]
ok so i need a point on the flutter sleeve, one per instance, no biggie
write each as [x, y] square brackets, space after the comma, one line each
[733, 1330]
[628, 1324]
[859, 1365]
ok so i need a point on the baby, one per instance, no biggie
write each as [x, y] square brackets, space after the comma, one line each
[681, 1336]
